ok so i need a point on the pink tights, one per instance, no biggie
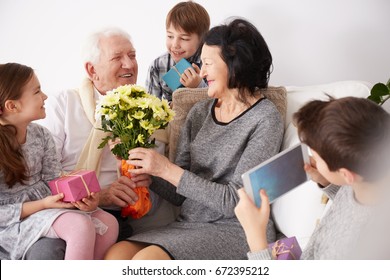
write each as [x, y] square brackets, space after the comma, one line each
[82, 240]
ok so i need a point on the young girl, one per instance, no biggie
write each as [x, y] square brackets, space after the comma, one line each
[28, 160]
[186, 25]
[349, 140]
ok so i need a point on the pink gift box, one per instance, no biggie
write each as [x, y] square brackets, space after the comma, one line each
[286, 249]
[76, 185]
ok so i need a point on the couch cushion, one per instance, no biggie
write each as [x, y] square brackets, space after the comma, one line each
[184, 98]
[297, 96]
[182, 101]
[298, 212]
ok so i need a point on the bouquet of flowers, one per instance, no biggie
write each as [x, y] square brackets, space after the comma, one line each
[132, 115]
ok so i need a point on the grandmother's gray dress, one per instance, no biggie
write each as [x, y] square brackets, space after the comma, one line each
[214, 156]
[16, 235]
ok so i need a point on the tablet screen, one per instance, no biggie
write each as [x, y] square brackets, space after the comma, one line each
[277, 175]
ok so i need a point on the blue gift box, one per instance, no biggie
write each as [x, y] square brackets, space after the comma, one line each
[172, 77]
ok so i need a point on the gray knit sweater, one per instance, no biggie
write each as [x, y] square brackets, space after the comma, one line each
[214, 156]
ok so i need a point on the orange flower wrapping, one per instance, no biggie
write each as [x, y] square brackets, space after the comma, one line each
[143, 204]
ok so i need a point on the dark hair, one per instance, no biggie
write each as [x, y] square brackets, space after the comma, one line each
[13, 77]
[246, 54]
[349, 132]
[189, 16]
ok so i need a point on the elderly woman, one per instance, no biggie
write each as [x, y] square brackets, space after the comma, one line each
[222, 138]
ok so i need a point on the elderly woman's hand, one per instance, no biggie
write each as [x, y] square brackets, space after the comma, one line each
[149, 161]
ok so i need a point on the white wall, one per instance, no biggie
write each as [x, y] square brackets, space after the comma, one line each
[312, 41]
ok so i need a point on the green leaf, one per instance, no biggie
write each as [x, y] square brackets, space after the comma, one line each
[376, 99]
[120, 151]
[380, 89]
[104, 142]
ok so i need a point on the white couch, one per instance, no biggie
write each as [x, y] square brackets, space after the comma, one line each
[297, 212]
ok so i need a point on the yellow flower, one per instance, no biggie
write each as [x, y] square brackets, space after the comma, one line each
[133, 115]
[103, 111]
[138, 88]
[144, 102]
[171, 115]
[110, 99]
[112, 116]
[146, 124]
[158, 113]
[140, 139]
[139, 115]
[165, 105]
[123, 106]
[123, 90]
[128, 99]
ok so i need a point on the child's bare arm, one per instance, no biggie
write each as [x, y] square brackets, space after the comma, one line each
[51, 201]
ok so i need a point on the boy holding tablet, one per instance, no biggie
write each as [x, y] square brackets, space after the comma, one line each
[348, 138]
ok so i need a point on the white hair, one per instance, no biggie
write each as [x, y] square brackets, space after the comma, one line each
[91, 48]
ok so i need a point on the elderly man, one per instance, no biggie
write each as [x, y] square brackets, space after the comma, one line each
[110, 61]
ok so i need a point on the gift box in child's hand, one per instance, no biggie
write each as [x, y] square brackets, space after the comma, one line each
[172, 77]
[76, 185]
[286, 249]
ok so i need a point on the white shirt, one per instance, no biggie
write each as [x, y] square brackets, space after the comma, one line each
[70, 127]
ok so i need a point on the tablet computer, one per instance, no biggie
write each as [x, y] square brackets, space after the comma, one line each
[277, 175]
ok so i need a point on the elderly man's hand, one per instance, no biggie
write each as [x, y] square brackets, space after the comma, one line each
[121, 192]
